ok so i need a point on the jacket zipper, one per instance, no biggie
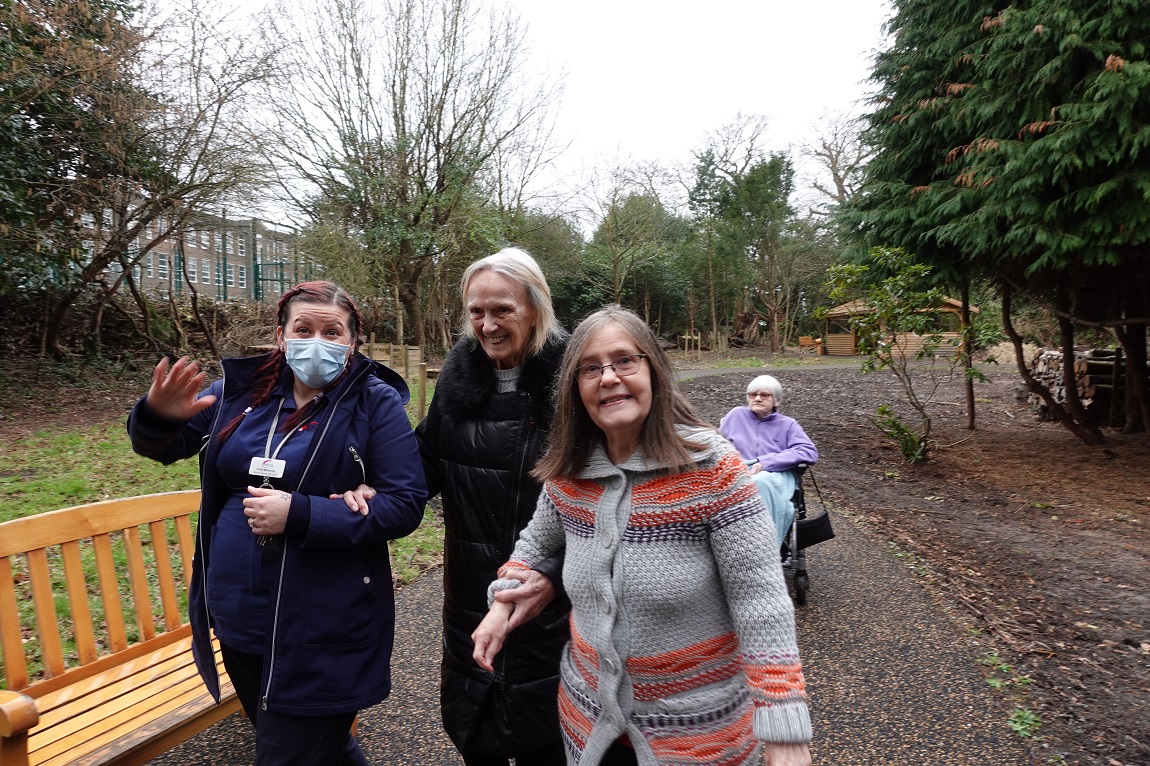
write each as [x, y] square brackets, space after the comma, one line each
[355, 456]
[283, 556]
[200, 548]
[501, 676]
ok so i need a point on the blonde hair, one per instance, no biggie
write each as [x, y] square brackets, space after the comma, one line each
[574, 435]
[517, 265]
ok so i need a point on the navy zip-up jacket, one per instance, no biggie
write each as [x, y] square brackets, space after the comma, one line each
[331, 620]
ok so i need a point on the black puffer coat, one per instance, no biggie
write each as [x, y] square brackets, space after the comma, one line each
[478, 447]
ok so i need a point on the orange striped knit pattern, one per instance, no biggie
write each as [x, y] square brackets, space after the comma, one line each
[682, 632]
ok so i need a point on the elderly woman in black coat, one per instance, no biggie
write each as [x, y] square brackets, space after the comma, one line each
[484, 432]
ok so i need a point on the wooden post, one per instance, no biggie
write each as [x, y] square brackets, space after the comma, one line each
[422, 383]
[406, 359]
[1115, 382]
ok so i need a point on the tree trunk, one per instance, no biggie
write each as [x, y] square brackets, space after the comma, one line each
[1136, 398]
[409, 273]
[1056, 409]
[967, 353]
[207, 331]
[1069, 379]
[58, 311]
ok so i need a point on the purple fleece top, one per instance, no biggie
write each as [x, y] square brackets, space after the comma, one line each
[778, 441]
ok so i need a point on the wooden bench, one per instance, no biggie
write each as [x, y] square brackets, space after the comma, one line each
[83, 684]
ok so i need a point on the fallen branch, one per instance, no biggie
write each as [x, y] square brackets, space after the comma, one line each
[960, 441]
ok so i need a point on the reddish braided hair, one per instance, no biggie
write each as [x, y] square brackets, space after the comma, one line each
[267, 377]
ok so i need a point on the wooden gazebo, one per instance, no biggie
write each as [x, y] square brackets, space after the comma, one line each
[840, 339]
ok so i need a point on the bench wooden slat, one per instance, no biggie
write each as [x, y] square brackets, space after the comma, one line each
[75, 676]
[70, 717]
[161, 736]
[141, 668]
[167, 577]
[107, 720]
[110, 593]
[46, 617]
[70, 727]
[77, 588]
[187, 544]
[83, 521]
[11, 637]
[138, 577]
[121, 732]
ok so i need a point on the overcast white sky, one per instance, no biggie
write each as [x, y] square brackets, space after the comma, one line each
[648, 79]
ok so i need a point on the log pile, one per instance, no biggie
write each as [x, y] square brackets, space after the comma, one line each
[1094, 376]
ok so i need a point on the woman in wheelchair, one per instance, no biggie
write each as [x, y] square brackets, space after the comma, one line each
[772, 444]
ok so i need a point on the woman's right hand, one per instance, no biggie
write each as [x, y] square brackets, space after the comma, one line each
[357, 498]
[173, 392]
[781, 754]
[491, 633]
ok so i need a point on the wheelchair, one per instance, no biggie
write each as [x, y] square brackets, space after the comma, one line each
[806, 530]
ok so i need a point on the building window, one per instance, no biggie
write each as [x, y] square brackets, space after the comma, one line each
[205, 239]
[241, 246]
[191, 268]
[206, 271]
[231, 275]
[151, 257]
[162, 266]
[243, 281]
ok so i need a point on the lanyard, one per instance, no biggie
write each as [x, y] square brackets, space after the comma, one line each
[272, 431]
[268, 453]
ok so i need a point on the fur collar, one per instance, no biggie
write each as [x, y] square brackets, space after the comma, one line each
[467, 380]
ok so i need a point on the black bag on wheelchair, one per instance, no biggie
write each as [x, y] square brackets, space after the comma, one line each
[814, 530]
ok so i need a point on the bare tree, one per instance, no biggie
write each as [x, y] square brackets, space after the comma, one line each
[390, 120]
[839, 157]
[182, 148]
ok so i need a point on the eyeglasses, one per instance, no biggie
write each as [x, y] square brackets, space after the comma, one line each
[760, 395]
[623, 366]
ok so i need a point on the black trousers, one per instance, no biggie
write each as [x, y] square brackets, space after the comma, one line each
[289, 740]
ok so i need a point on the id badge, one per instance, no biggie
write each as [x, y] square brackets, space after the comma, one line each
[268, 467]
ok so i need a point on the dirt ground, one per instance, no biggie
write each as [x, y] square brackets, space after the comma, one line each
[1021, 531]
[1028, 535]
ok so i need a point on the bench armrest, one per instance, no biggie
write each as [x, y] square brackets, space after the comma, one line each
[18, 713]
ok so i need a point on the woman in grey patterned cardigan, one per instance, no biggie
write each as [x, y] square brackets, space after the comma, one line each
[682, 632]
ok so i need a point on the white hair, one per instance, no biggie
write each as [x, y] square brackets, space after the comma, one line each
[518, 266]
[767, 383]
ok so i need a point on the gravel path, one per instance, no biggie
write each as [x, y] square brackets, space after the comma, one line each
[892, 681]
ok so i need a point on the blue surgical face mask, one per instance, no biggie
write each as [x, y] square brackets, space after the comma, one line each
[316, 362]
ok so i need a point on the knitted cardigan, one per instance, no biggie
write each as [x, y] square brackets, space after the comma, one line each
[683, 636]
